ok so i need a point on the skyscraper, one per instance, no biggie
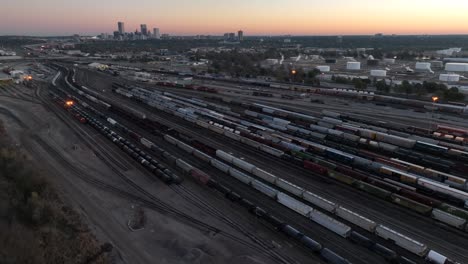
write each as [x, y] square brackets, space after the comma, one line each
[121, 27]
[144, 29]
[156, 33]
[240, 35]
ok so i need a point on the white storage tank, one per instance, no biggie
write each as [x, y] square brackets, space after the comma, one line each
[378, 73]
[389, 61]
[353, 65]
[323, 68]
[449, 77]
[422, 66]
[456, 67]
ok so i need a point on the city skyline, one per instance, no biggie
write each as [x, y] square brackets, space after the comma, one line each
[259, 17]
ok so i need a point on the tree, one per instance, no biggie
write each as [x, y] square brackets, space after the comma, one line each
[382, 86]
[453, 94]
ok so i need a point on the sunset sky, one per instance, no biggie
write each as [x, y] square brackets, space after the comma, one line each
[255, 17]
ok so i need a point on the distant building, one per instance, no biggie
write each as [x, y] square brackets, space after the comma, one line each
[232, 36]
[165, 36]
[240, 35]
[144, 29]
[339, 39]
[156, 33]
[121, 28]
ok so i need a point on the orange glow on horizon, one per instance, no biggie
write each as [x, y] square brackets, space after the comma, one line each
[259, 17]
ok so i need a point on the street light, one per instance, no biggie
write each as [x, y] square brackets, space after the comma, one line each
[293, 72]
[434, 100]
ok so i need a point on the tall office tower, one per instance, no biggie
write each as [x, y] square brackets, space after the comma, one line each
[156, 33]
[121, 27]
[144, 29]
[240, 35]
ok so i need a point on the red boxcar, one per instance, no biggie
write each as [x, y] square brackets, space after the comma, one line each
[315, 167]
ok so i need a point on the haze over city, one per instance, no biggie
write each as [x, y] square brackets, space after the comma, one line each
[257, 17]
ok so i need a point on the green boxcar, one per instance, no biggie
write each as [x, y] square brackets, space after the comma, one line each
[379, 192]
[326, 164]
[302, 155]
[413, 205]
[341, 177]
[454, 210]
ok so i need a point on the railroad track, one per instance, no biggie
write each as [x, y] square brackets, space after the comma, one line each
[213, 140]
[160, 207]
[261, 245]
[305, 225]
[206, 139]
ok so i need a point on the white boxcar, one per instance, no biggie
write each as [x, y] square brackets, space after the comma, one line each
[325, 124]
[289, 187]
[330, 223]
[224, 156]
[319, 201]
[111, 121]
[185, 147]
[220, 165]
[202, 124]
[294, 204]
[447, 218]
[243, 164]
[356, 219]
[436, 258]
[201, 155]
[183, 165]
[320, 129]
[251, 113]
[146, 143]
[170, 139]
[272, 151]
[403, 241]
[439, 187]
[240, 176]
[250, 142]
[331, 114]
[265, 189]
[231, 135]
[264, 175]
[216, 129]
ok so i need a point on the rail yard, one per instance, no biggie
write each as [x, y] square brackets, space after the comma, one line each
[245, 172]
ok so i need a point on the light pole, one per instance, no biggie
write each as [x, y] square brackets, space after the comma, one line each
[434, 101]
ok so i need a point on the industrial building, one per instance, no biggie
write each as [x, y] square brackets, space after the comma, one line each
[456, 67]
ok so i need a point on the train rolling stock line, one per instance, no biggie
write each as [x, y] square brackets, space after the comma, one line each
[225, 140]
[132, 197]
[351, 146]
[267, 249]
[368, 114]
[304, 225]
[338, 244]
